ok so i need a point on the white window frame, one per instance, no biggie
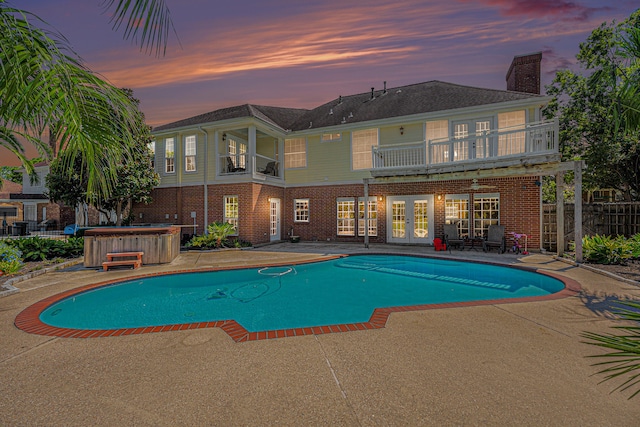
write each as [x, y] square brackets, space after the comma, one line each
[190, 147]
[345, 216]
[331, 137]
[372, 214]
[169, 156]
[361, 148]
[152, 152]
[484, 213]
[512, 143]
[455, 212]
[437, 130]
[301, 210]
[295, 153]
[232, 212]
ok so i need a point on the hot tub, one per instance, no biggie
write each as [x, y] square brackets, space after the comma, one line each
[160, 245]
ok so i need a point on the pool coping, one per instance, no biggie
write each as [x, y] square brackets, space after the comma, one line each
[28, 320]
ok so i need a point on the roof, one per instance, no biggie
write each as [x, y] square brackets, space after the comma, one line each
[420, 98]
[408, 100]
[278, 116]
[9, 187]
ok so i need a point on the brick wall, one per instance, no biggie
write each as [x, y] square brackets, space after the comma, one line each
[524, 74]
[519, 206]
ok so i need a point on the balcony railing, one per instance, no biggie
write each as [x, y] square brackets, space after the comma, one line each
[520, 142]
[237, 165]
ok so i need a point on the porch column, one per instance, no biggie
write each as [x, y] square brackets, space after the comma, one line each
[560, 213]
[216, 152]
[577, 215]
[366, 213]
[251, 149]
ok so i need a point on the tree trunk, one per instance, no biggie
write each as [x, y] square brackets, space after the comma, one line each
[119, 213]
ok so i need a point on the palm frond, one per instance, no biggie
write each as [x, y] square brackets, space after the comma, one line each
[148, 19]
[624, 360]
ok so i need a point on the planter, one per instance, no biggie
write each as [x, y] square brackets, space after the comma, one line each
[294, 239]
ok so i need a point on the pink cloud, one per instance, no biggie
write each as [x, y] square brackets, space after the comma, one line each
[562, 10]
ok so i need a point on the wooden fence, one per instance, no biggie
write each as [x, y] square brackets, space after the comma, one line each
[611, 219]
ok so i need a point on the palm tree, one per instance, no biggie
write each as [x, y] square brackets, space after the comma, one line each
[46, 89]
[624, 360]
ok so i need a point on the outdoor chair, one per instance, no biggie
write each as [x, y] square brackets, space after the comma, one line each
[495, 238]
[271, 169]
[231, 167]
[451, 237]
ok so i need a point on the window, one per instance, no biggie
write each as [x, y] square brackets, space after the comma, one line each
[362, 142]
[346, 217]
[486, 212]
[190, 153]
[169, 154]
[482, 144]
[231, 211]
[295, 153]
[511, 142]
[460, 131]
[329, 137]
[456, 211]
[237, 153]
[438, 130]
[301, 210]
[152, 152]
[372, 214]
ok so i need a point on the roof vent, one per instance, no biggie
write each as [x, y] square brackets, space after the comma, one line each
[344, 120]
[372, 97]
[351, 114]
[310, 125]
[340, 100]
[331, 112]
[385, 87]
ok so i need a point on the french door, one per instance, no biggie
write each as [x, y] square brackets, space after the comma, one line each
[410, 219]
[274, 220]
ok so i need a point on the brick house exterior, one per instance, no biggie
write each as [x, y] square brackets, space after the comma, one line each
[425, 155]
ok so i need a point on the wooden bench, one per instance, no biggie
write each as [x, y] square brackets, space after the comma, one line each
[135, 263]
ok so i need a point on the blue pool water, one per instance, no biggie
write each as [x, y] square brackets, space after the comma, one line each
[345, 290]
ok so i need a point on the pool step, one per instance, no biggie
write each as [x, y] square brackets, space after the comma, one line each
[420, 275]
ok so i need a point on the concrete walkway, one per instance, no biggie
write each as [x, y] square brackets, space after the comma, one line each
[507, 364]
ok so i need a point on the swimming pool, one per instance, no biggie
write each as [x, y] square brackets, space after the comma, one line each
[357, 291]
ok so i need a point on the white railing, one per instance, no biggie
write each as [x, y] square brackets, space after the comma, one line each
[232, 164]
[400, 156]
[521, 141]
[266, 165]
[518, 142]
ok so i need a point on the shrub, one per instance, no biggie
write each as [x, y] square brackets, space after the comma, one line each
[218, 236]
[10, 259]
[608, 250]
[39, 249]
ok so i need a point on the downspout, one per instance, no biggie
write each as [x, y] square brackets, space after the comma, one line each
[206, 178]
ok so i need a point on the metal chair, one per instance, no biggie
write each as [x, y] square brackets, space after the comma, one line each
[495, 238]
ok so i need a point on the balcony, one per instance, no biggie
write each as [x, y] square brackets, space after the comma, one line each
[260, 167]
[535, 143]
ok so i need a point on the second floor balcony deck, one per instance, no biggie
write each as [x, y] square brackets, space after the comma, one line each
[534, 143]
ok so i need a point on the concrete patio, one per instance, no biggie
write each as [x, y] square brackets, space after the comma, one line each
[503, 364]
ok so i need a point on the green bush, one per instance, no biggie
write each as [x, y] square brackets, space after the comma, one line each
[10, 259]
[218, 237]
[610, 250]
[39, 249]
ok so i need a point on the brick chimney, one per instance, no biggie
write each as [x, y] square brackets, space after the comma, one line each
[524, 73]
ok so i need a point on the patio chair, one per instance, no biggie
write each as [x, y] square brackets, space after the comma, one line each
[271, 169]
[231, 167]
[495, 238]
[451, 237]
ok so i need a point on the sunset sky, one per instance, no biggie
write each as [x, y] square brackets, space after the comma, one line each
[294, 53]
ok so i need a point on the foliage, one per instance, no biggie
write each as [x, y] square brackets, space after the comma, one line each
[10, 259]
[68, 182]
[36, 248]
[44, 86]
[217, 237]
[588, 108]
[610, 250]
[625, 357]
[10, 173]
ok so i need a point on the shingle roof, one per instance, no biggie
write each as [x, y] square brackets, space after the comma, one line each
[420, 98]
[277, 116]
[408, 100]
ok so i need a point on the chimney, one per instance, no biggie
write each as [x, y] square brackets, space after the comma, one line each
[524, 73]
[372, 96]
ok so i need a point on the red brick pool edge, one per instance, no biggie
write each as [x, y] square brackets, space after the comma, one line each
[29, 319]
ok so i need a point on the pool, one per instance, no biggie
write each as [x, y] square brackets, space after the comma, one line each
[348, 293]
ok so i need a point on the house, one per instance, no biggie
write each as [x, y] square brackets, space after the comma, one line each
[390, 165]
